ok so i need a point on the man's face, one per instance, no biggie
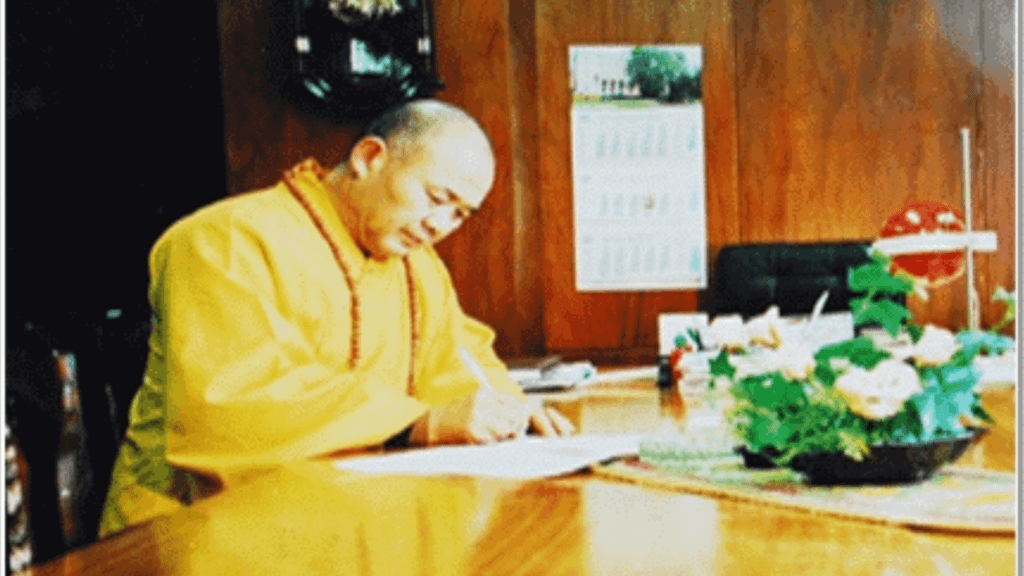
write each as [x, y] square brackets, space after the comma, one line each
[420, 197]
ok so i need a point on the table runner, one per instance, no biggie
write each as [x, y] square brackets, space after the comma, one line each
[955, 498]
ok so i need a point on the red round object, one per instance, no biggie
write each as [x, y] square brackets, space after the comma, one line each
[936, 268]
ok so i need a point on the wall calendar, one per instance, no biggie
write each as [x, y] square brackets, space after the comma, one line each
[638, 168]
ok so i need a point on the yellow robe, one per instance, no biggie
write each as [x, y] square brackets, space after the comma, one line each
[249, 354]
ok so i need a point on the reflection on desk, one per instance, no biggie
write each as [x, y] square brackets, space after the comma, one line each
[309, 519]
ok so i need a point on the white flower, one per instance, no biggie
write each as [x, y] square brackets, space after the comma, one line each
[935, 347]
[897, 379]
[855, 380]
[795, 361]
[727, 331]
[766, 329]
[881, 392]
[863, 397]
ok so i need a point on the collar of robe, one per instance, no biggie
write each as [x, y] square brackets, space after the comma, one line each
[293, 180]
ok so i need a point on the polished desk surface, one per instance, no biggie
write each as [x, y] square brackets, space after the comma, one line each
[309, 519]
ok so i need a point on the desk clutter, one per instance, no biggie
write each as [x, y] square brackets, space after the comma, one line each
[549, 373]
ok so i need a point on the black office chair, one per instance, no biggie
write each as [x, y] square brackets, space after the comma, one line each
[751, 277]
[38, 412]
[748, 278]
[68, 412]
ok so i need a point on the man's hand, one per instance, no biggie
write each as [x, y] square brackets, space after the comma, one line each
[487, 416]
[482, 417]
[547, 421]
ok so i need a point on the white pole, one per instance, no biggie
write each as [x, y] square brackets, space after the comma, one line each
[973, 320]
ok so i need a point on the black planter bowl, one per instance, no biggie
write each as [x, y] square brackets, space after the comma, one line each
[761, 460]
[886, 464]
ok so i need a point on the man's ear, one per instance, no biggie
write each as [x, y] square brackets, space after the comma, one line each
[367, 155]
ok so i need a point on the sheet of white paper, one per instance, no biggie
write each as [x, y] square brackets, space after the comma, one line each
[526, 458]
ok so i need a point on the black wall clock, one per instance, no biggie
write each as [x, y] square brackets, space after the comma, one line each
[351, 59]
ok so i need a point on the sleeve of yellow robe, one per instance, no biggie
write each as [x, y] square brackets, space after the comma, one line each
[442, 376]
[245, 386]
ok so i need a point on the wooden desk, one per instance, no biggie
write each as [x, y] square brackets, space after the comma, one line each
[308, 519]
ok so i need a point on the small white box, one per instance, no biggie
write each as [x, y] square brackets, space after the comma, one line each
[675, 324]
[829, 328]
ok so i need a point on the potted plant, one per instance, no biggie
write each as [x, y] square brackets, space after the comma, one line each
[860, 411]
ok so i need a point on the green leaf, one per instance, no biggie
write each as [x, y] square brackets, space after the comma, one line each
[959, 378]
[979, 412]
[765, 432]
[930, 378]
[947, 408]
[862, 278]
[768, 390]
[961, 358]
[915, 332]
[1010, 314]
[695, 337]
[861, 351]
[880, 258]
[824, 373]
[955, 429]
[843, 349]
[905, 426]
[876, 277]
[973, 342]
[1002, 295]
[957, 403]
[924, 405]
[720, 366]
[887, 313]
[903, 436]
[857, 306]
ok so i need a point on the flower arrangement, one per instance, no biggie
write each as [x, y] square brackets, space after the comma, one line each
[855, 394]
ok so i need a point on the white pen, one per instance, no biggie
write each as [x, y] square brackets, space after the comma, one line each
[477, 371]
[808, 331]
[819, 306]
[475, 368]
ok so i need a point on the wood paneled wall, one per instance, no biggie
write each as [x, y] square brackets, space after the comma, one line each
[622, 326]
[491, 258]
[821, 119]
[264, 134]
[849, 110]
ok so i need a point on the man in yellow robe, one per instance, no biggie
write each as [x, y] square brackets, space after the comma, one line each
[313, 317]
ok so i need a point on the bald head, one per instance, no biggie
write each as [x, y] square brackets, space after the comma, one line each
[413, 176]
[409, 126]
